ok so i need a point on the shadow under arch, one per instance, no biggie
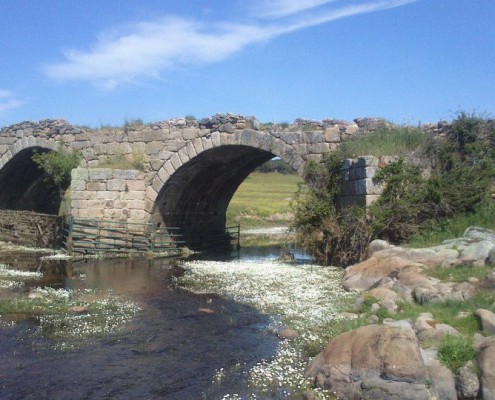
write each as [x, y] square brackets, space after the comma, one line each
[23, 187]
[195, 198]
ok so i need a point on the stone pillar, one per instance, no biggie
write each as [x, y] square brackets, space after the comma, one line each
[358, 187]
[104, 193]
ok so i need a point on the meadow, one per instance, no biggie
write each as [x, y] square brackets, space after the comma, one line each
[263, 200]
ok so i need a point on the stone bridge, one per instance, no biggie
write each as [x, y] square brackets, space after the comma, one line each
[180, 173]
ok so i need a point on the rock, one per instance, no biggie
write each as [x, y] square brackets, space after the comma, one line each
[443, 382]
[375, 307]
[487, 319]
[476, 253]
[374, 361]
[467, 382]
[373, 319]
[486, 361]
[288, 334]
[429, 330]
[366, 274]
[377, 245]
[35, 295]
[402, 323]
[476, 232]
[386, 298]
[491, 256]
[78, 309]
[348, 316]
[379, 389]
[488, 282]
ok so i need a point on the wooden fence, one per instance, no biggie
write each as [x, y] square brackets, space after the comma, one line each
[89, 236]
[29, 228]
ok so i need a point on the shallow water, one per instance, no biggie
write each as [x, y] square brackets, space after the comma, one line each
[171, 350]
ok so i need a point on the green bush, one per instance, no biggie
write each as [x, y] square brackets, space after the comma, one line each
[334, 236]
[57, 165]
[461, 171]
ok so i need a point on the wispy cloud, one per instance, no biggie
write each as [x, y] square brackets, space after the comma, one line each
[8, 101]
[283, 8]
[149, 49]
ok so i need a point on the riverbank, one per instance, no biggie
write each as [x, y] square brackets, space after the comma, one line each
[428, 312]
[302, 300]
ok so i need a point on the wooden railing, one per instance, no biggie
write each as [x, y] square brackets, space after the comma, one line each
[89, 236]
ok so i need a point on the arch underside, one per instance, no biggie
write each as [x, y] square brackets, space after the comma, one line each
[23, 187]
[195, 198]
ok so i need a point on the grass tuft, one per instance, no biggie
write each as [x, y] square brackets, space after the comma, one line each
[455, 351]
[397, 141]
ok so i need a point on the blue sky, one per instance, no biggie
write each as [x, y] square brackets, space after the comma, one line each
[101, 62]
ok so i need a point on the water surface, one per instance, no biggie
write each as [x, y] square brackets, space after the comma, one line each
[171, 349]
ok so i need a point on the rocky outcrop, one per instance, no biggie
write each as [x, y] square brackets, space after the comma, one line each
[403, 270]
[353, 364]
[372, 362]
[486, 361]
[467, 382]
[487, 319]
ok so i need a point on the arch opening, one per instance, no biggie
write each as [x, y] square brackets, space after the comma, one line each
[195, 198]
[23, 187]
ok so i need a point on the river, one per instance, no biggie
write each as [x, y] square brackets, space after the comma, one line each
[172, 349]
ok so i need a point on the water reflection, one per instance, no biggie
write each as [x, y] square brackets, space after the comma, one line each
[258, 253]
[171, 349]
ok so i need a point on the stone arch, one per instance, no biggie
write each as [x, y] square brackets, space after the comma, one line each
[194, 187]
[22, 184]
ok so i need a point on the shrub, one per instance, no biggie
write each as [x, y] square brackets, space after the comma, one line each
[334, 236]
[57, 166]
[461, 169]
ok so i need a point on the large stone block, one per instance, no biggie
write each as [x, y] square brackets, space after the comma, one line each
[100, 174]
[95, 186]
[133, 195]
[118, 185]
[136, 185]
[332, 134]
[127, 174]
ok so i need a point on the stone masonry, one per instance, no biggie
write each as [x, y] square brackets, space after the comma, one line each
[190, 168]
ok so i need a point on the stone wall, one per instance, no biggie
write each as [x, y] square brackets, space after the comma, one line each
[357, 174]
[104, 193]
[191, 168]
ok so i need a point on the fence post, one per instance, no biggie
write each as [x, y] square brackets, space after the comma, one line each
[70, 241]
[239, 236]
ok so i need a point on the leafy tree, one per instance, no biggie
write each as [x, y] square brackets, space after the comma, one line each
[57, 166]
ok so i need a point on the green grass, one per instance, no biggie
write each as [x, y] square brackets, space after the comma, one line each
[455, 227]
[455, 351]
[261, 198]
[121, 161]
[459, 273]
[394, 141]
[446, 312]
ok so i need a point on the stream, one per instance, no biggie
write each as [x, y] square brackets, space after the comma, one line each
[170, 350]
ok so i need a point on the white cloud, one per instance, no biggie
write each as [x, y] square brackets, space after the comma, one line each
[283, 8]
[8, 101]
[154, 47]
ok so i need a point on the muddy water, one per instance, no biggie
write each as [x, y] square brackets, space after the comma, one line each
[171, 350]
